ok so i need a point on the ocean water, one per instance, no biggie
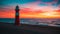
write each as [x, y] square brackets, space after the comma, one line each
[7, 20]
[30, 21]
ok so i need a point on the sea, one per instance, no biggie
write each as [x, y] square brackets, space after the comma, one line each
[32, 21]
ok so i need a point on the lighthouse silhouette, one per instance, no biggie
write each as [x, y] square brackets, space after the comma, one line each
[17, 20]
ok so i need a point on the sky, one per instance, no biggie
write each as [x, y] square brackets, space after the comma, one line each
[30, 8]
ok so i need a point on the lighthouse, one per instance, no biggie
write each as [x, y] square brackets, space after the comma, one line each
[17, 20]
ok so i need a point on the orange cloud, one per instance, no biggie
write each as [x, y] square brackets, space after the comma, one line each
[27, 13]
[7, 13]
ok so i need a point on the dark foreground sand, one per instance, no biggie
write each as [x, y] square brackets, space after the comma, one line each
[6, 28]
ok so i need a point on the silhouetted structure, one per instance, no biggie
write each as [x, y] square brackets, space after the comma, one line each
[17, 21]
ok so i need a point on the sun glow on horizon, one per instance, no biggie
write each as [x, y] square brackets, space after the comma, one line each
[51, 14]
[27, 13]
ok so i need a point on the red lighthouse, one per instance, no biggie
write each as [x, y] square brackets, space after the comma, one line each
[17, 21]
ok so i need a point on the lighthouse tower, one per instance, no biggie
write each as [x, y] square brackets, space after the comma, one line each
[17, 21]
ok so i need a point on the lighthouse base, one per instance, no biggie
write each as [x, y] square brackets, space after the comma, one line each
[17, 24]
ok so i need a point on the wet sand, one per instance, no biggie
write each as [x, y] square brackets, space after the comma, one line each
[7, 28]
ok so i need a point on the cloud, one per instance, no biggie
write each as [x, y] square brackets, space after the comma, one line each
[46, 0]
[58, 2]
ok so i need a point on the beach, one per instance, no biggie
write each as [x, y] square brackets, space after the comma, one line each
[10, 28]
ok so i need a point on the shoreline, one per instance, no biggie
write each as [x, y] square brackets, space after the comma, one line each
[31, 28]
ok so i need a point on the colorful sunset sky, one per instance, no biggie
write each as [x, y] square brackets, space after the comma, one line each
[30, 8]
